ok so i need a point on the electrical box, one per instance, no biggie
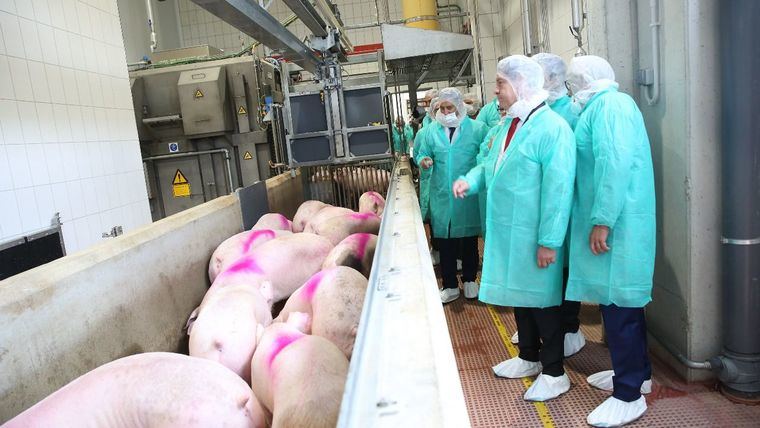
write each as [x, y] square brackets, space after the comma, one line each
[202, 96]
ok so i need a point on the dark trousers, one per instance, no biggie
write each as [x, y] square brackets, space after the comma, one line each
[541, 337]
[570, 310]
[627, 341]
[450, 251]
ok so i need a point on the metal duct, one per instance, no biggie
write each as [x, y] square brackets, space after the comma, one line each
[739, 367]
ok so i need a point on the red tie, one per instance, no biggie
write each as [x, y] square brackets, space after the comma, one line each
[511, 132]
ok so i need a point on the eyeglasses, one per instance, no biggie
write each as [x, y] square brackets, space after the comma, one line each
[567, 86]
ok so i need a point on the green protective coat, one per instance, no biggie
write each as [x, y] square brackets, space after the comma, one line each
[426, 120]
[489, 115]
[615, 188]
[563, 107]
[485, 147]
[419, 141]
[529, 197]
[452, 217]
[401, 142]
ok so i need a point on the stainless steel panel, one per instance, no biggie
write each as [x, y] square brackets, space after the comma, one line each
[310, 149]
[308, 113]
[368, 143]
[202, 97]
[364, 107]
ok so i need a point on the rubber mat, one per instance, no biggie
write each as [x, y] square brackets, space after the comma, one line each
[498, 402]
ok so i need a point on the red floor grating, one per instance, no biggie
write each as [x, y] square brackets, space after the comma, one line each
[497, 402]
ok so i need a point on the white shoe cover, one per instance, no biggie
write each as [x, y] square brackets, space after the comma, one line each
[435, 256]
[471, 289]
[603, 381]
[615, 413]
[574, 342]
[515, 368]
[449, 295]
[546, 387]
[515, 339]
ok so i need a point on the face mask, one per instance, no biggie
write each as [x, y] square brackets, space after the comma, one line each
[519, 109]
[450, 120]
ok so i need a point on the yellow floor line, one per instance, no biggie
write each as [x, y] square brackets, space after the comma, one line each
[541, 409]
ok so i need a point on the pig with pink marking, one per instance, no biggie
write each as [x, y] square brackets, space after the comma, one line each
[333, 299]
[156, 389]
[238, 245]
[285, 263]
[273, 221]
[371, 202]
[340, 227]
[356, 251]
[305, 213]
[298, 377]
[324, 215]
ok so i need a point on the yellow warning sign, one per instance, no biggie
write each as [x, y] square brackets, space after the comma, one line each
[198, 93]
[247, 155]
[242, 110]
[180, 185]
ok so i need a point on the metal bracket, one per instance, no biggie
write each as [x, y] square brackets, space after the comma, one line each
[731, 241]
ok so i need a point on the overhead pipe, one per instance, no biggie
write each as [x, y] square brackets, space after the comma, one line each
[654, 26]
[738, 368]
[151, 25]
[526, 30]
[577, 24]
[419, 8]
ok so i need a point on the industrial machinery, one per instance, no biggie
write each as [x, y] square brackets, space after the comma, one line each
[205, 127]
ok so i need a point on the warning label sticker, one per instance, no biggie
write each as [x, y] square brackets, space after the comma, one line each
[180, 185]
[242, 110]
[247, 155]
[198, 93]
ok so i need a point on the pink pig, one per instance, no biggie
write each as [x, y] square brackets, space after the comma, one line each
[356, 251]
[298, 377]
[156, 389]
[273, 221]
[371, 202]
[236, 246]
[285, 262]
[305, 213]
[225, 328]
[323, 215]
[340, 227]
[333, 299]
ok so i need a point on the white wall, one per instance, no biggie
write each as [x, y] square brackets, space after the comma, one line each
[68, 141]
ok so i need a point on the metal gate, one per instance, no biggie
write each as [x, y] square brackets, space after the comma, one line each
[342, 185]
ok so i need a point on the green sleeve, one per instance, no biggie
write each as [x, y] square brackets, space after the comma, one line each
[557, 157]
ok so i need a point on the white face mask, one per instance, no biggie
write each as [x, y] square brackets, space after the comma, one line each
[450, 120]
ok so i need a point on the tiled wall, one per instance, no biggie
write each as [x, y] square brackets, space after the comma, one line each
[68, 141]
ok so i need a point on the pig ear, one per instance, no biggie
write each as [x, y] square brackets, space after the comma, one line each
[266, 292]
[259, 332]
[301, 321]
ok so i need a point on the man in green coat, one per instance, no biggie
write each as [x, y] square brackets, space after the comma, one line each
[612, 238]
[403, 137]
[419, 141]
[489, 115]
[528, 176]
[450, 148]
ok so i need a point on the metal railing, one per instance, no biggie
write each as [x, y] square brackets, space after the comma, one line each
[342, 185]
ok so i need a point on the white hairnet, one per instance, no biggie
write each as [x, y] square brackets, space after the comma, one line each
[453, 96]
[554, 75]
[588, 75]
[431, 93]
[433, 107]
[524, 74]
[473, 99]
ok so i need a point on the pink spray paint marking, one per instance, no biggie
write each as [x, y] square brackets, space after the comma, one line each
[312, 284]
[242, 265]
[363, 239]
[362, 216]
[256, 234]
[284, 221]
[281, 343]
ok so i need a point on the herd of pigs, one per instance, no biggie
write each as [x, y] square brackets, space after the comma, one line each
[246, 368]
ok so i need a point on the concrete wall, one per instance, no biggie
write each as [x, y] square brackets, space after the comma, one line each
[68, 141]
[127, 295]
[683, 128]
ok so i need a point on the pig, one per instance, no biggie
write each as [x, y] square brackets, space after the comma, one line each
[305, 212]
[273, 221]
[333, 299]
[149, 390]
[285, 263]
[371, 202]
[340, 227]
[225, 328]
[323, 215]
[356, 251]
[299, 378]
[236, 246]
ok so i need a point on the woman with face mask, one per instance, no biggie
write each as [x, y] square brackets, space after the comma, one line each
[528, 176]
[612, 238]
[450, 148]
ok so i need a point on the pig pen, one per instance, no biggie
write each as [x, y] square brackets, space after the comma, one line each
[133, 294]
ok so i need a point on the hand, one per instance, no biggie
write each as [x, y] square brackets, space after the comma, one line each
[426, 163]
[460, 188]
[598, 240]
[545, 257]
